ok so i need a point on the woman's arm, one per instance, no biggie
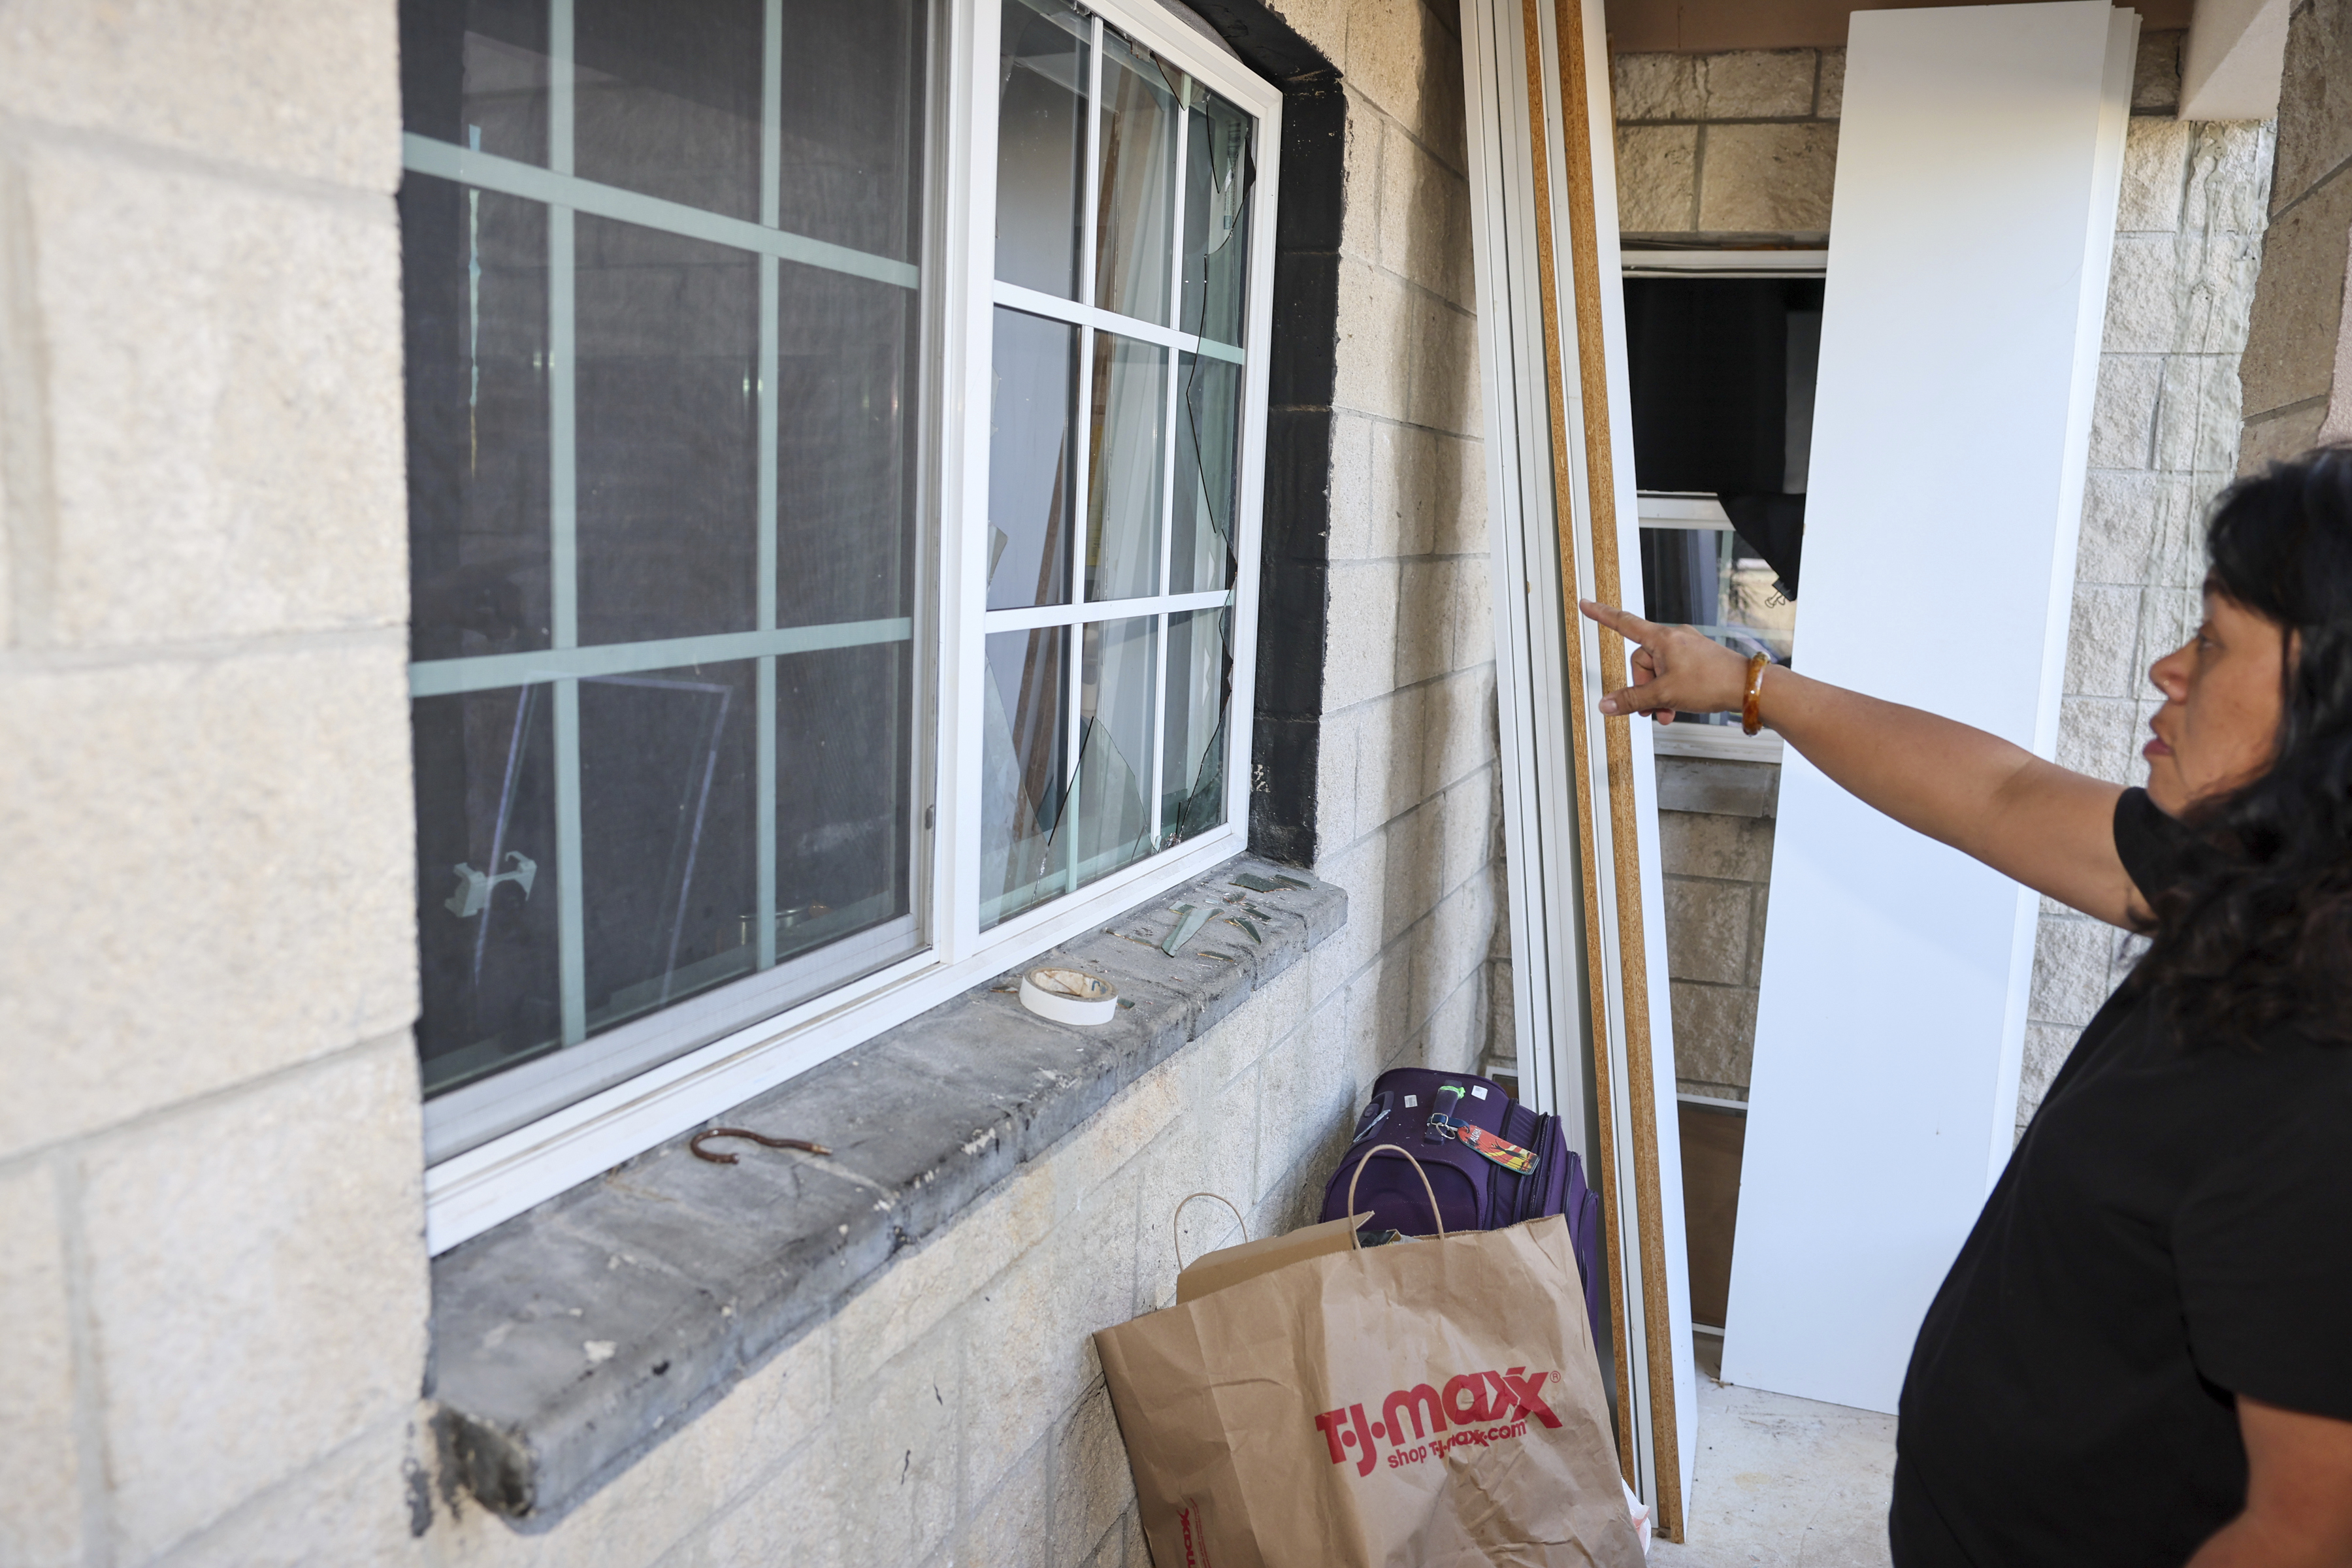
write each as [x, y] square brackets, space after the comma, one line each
[2298, 1494]
[2049, 828]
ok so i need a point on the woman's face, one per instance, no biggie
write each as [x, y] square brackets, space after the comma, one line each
[2222, 695]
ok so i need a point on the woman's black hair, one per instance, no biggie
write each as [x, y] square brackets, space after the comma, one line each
[2254, 943]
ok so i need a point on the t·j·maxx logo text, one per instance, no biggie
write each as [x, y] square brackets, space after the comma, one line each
[1480, 1408]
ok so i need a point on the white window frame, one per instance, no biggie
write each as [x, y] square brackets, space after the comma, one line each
[469, 1193]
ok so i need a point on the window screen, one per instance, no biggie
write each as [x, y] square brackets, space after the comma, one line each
[664, 298]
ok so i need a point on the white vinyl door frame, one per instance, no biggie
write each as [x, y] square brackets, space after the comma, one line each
[1980, 161]
[1594, 1034]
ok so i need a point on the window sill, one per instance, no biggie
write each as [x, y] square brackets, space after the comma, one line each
[569, 1340]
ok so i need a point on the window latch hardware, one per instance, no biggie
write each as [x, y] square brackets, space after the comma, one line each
[473, 894]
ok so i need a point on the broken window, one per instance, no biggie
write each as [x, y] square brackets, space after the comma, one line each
[699, 497]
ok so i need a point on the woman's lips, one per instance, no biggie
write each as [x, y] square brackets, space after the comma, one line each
[2156, 748]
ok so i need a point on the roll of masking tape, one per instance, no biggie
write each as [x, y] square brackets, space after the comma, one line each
[1068, 996]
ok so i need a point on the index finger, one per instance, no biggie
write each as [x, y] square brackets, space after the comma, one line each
[1631, 626]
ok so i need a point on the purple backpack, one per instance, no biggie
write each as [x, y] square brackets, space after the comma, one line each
[1490, 1159]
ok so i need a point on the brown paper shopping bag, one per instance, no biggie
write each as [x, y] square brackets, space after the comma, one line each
[1424, 1404]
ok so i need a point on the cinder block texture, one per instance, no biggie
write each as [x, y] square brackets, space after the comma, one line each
[295, 87]
[40, 1505]
[2298, 308]
[2156, 72]
[2165, 436]
[223, 368]
[1829, 95]
[1658, 87]
[1767, 178]
[2314, 119]
[250, 817]
[1739, 142]
[1405, 58]
[1760, 84]
[1714, 837]
[254, 1285]
[1656, 170]
[1715, 1036]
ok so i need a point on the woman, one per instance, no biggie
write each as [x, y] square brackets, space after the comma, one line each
[2143, 1355]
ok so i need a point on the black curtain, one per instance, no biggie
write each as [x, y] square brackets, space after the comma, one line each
[1710, 362]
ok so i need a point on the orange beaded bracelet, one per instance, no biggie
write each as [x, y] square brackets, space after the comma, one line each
[1751, 715]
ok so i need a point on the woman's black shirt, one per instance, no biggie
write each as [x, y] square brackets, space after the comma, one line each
[2175, 1228]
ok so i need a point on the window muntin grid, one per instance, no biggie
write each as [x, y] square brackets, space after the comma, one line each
[729, 1043]
[615, 679]
[1111, 499]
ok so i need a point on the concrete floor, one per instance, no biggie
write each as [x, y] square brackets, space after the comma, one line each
[1783, 1481]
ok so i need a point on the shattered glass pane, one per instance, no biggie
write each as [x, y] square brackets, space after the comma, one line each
[1137, 153]
[1200, 685]
[1041, 145]
[1208, 438]
[1127, 448]
[1217, 178]
[1032, 417]
[1023, 772]
[1115, 745]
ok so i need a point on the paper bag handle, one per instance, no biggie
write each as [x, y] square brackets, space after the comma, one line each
[1358, 1175]
[1177, 1233]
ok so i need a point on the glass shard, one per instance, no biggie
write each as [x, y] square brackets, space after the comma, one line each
[1024, 773]
[666, 866]
[1200, 684]
[1137, 183]
[1041, 144]
[1208, 444]
[1218, 175]
[1031, 476]
[1126, 446]
[1115, 745]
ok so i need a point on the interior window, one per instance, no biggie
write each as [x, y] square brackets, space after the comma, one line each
[1722, 373]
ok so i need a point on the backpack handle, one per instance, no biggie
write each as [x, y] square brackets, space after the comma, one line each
[1176, 1232]
[1358, 1174]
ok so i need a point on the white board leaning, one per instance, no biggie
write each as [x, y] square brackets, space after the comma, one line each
[1978, 166]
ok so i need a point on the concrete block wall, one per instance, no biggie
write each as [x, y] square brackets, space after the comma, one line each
[1720, 148]
[1718, 867]
[1409, 803]
[210, 1213]
[210, 1167]
[2295, 393]
[2164, 439]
